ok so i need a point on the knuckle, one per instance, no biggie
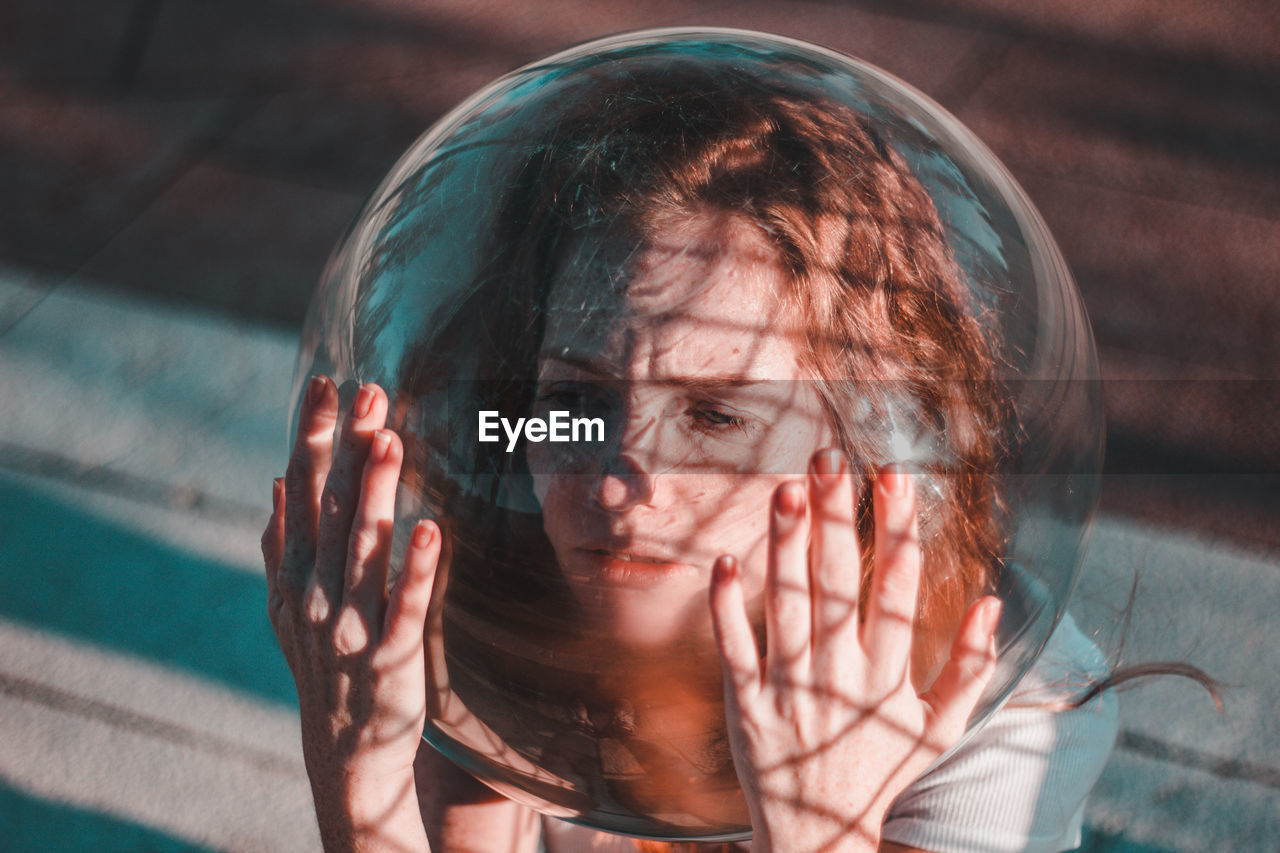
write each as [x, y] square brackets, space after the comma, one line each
[353, 440]
[897, 584]
[331, 499]
[363, 543]
[972, 667]
[892, 597]
[904, 538]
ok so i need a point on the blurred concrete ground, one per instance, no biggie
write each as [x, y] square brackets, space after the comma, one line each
[175, 173]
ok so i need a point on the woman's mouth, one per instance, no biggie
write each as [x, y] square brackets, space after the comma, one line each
[632, 569]
[628, 557]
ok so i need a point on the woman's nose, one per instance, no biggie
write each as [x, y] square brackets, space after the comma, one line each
[624, 484]
[629, 474]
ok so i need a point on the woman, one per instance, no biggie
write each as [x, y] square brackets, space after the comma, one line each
[759, 289]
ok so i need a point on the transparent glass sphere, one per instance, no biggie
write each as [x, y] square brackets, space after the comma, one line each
[617, 298]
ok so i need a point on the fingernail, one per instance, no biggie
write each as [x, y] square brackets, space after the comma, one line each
[828, 465]
[315, 390]
[381, 443]
[790, 500]
[363, 402]
[896, 480]
[277, 491]
[423, 533]
[725, 569]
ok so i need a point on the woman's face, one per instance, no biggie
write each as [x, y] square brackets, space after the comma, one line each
[687, 349]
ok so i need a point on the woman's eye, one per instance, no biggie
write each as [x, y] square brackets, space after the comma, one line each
[571, 399]
[712, 419]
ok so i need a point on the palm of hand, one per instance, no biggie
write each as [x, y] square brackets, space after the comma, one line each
[828, 729]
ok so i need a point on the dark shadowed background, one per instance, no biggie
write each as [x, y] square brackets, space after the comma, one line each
[175, 172]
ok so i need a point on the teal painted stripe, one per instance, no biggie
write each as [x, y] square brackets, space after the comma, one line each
[71, 572]
[1096, 841]
[32, 825]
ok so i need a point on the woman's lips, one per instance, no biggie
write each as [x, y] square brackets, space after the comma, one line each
[630, 568]
[630, 557]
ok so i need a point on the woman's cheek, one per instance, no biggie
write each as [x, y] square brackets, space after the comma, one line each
[734, 519]
[559, 506]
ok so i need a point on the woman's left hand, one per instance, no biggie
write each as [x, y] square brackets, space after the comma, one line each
[827, 730]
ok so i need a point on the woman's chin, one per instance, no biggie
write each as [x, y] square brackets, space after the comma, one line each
[647, 626]
[648, 617]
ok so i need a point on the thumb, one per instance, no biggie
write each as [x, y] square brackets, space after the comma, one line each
[958, 687]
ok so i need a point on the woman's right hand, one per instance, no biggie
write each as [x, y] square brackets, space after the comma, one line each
[829, 728]
[356, 651]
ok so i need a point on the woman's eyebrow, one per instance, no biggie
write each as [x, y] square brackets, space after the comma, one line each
[711, 384]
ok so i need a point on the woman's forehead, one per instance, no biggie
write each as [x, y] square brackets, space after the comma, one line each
[706, 295]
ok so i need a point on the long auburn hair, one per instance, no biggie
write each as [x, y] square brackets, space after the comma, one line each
[888, 322]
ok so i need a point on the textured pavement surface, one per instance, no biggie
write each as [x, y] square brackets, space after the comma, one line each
[175, 173]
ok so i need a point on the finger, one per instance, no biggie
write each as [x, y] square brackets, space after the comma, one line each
[788, 625]
[959, 685]
[410, 598]
[369, 546]
[273, 547]
[414, 613]
[895, 582]
[739, 655]
[338, 502]
[834, 564]
[308, 468]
